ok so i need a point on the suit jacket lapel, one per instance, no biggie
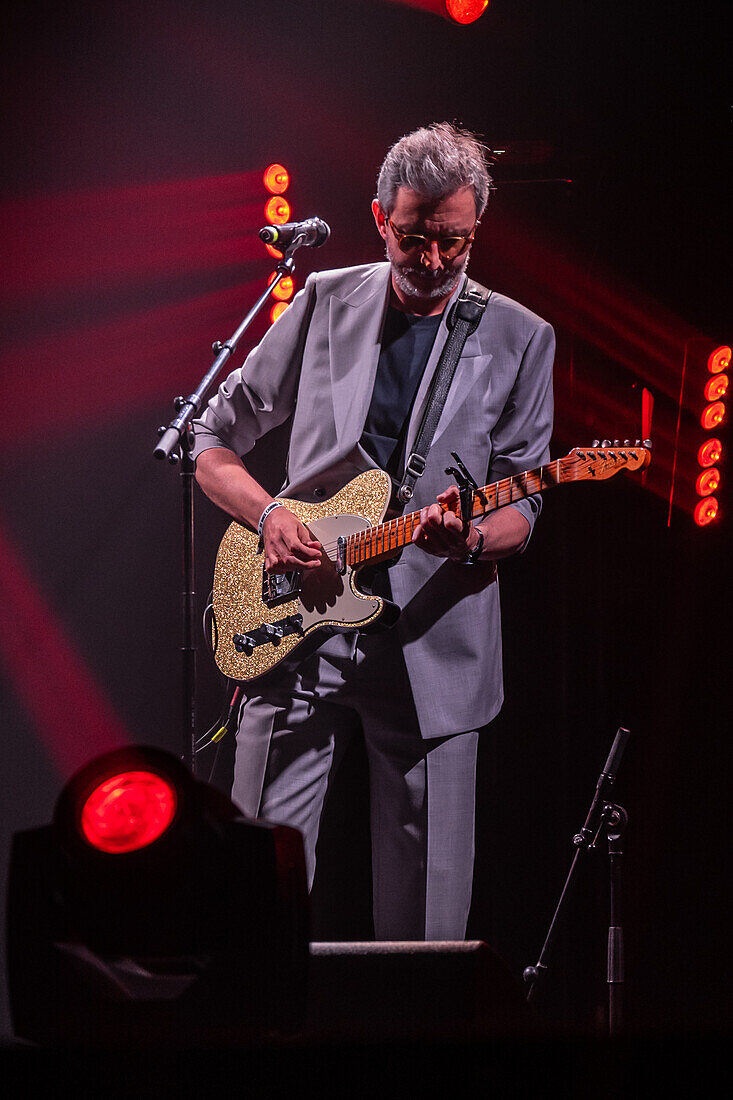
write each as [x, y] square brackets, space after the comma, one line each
[355, 331]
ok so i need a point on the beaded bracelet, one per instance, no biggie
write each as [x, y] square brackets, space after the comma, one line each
[260, 526]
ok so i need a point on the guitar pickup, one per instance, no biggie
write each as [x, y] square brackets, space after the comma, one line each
[278, 587]
[268, 632]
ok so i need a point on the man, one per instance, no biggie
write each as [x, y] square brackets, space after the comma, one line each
[352, 359]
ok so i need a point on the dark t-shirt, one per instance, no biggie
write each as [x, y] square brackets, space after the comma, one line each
[407, 341]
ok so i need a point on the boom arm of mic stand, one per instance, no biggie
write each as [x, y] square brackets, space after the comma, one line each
[175, 444]
[170, 437]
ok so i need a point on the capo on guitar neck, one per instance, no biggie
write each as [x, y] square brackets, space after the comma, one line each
[467, 489]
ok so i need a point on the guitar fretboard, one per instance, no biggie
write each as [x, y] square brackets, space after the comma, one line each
[387, 539]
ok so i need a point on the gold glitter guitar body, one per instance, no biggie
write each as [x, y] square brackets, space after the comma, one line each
[258, 619]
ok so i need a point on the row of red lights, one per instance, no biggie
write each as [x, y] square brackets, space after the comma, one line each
[277, 212]
[711, 451]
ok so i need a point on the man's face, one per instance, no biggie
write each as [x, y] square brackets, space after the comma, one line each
[423, 276]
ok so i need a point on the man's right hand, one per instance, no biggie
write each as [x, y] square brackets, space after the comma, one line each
[288, 545]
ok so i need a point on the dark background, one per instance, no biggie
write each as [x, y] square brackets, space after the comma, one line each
[135, 136]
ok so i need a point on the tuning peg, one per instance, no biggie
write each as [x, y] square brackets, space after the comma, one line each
[627, 443]
[606, 443]
[647, 443]
[617, 442]
[596, 443]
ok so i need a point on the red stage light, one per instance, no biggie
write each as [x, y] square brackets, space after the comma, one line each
[465, 11]
[278, 309]
[710, 452]
[276, 179]
[284, 289]
[273, 252]
[716, 387]
[719, 360]
[708, 482]
[128, 811]
[706, 511]
[712, 415]
[277, 210]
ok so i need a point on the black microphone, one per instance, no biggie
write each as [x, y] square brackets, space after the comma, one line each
[603, 790]
[312, 232]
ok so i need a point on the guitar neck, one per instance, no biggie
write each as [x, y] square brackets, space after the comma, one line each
[386, 540]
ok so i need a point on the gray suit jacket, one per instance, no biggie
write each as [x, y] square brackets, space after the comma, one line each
[319, 362]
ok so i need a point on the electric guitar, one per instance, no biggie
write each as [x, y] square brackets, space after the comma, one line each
[258, 618]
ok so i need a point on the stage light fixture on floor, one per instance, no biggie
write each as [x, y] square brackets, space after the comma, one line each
[151, 911]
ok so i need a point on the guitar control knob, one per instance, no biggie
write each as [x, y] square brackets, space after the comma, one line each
[295, 624]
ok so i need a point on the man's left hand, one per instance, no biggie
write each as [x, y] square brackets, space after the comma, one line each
[440, 530]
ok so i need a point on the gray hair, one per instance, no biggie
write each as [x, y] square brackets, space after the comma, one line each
[435, 161]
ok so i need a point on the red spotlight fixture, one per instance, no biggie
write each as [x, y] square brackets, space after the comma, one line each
[708, 481]
[465, 11]
[276, 179]
[716, 387]
[277, 310]
[455, 11]
[719, 360]
[277, 210]
[284, 288]
[710, 452]
[152, 910]
[712, 415]
[706, 511]
[128, 811]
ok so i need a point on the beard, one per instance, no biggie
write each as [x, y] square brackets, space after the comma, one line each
[415, 281]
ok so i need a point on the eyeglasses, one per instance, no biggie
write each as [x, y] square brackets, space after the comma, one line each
[448, 247]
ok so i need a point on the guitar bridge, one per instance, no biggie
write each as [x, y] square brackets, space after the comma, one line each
[278, 587]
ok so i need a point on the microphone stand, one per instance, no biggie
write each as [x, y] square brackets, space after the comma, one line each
[602, 814]
[176, 444]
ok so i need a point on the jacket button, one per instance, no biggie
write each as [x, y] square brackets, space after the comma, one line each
[319, 491]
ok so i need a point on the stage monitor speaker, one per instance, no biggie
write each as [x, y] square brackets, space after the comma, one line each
[414, 991]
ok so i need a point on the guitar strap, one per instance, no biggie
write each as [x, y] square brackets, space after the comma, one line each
[463, 320]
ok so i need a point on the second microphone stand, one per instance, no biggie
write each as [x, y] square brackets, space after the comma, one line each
[607, 816]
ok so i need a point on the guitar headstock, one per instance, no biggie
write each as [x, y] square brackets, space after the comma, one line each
[606, 458]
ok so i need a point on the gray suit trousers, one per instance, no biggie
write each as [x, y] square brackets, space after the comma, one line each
[291, 739]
